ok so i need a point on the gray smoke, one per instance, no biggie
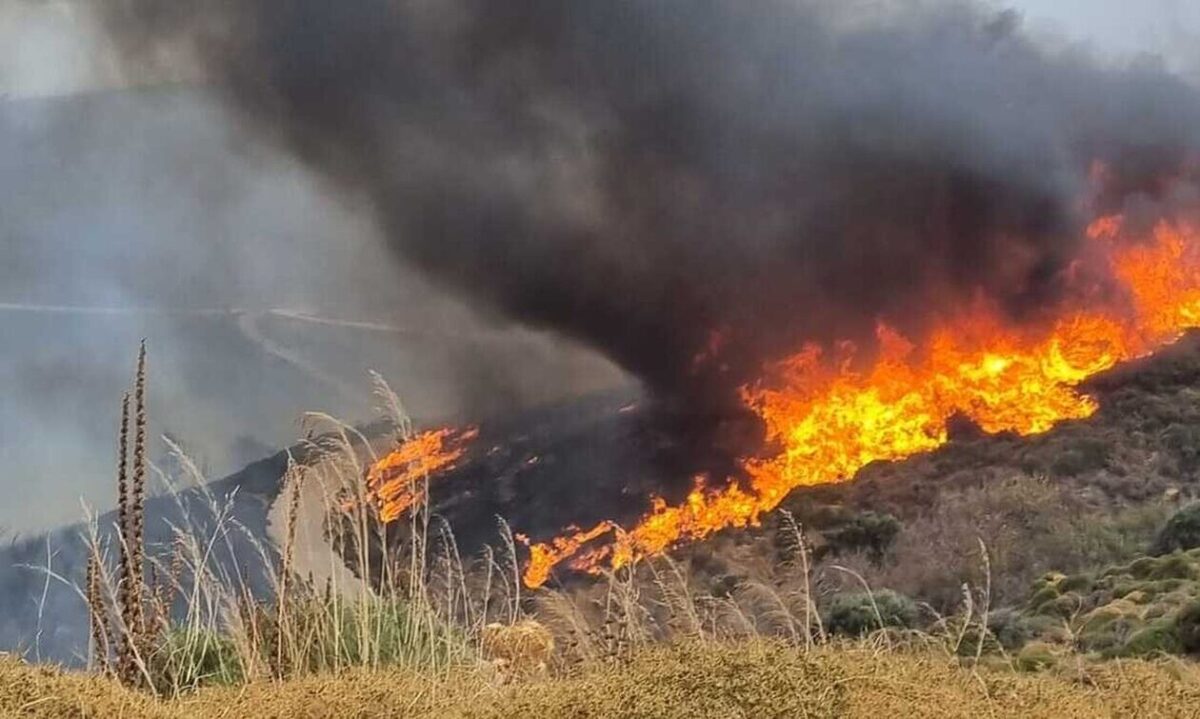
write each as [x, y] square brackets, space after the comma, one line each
[142, 212]
[132, 213]
[646, 176]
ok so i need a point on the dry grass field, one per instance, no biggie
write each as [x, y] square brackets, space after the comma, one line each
[705, 679]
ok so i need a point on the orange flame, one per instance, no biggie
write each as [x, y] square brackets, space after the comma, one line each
[398, 481]
[831, 420]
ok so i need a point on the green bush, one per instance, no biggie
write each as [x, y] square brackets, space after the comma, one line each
[1086, 454]
[321, 636]
[1160, 637]
[1010, 628]
[1184, 441]
[188, 659]
[1187, 626]
[856, 614]
[1182, 531]
[872, 532]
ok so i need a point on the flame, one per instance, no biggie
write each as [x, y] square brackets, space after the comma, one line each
[398, 481]
[830, 419]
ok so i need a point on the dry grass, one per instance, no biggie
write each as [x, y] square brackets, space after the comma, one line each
[697, 679]
[1031, 526]
[520, 649]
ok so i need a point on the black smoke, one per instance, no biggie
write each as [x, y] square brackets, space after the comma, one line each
[649, 176]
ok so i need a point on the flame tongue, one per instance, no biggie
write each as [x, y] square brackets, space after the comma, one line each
[831, 420]
[397, 481]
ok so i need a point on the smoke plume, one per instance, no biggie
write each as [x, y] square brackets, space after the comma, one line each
[693, 187]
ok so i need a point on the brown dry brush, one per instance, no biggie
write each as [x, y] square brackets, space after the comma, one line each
[98, 617]
[126, 663]
[134, 635]
[294, 478]
[138, 516]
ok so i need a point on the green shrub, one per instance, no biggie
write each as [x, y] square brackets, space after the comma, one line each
[1184, 441]
[1043, 597]
[1173, 568]
[320, 636]
[1187, 626]
[1085, 455]
[1160, 637]
[188, 659]
[870, 531]
[856, 614]
[1076, 583]
[1011, 628]
[1182, 531]
[1110, 627]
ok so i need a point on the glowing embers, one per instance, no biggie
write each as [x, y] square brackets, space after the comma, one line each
[398, 481]
[829, 415]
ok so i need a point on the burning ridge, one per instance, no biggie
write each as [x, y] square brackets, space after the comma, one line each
[830, 413]
[829, 418]
[812, 235]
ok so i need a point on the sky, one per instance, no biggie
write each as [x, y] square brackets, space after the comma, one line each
[46, 46]
[1168, 28]
[140, 204]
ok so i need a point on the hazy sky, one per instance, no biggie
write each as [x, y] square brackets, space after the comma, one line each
[1170, 28]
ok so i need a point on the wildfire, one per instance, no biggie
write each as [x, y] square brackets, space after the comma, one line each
[398, 481]
[831, 419]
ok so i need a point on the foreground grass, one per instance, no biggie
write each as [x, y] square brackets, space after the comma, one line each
[752, 679]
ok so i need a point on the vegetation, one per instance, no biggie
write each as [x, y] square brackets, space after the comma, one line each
[871, 532]
[1145, 607]
[1181, 532]
[859, 614]
[171, 625]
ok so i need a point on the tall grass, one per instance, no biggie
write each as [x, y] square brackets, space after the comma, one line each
[172, 621]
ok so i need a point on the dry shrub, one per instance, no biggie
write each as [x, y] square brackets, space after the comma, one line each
[1030, 525]
[519, 649]
[43, 692]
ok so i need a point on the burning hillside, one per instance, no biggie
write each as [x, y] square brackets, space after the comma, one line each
[829, 418]
[813, 235]
[829, 413]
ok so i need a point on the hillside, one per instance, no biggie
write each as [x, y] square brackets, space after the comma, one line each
[1083, 496]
